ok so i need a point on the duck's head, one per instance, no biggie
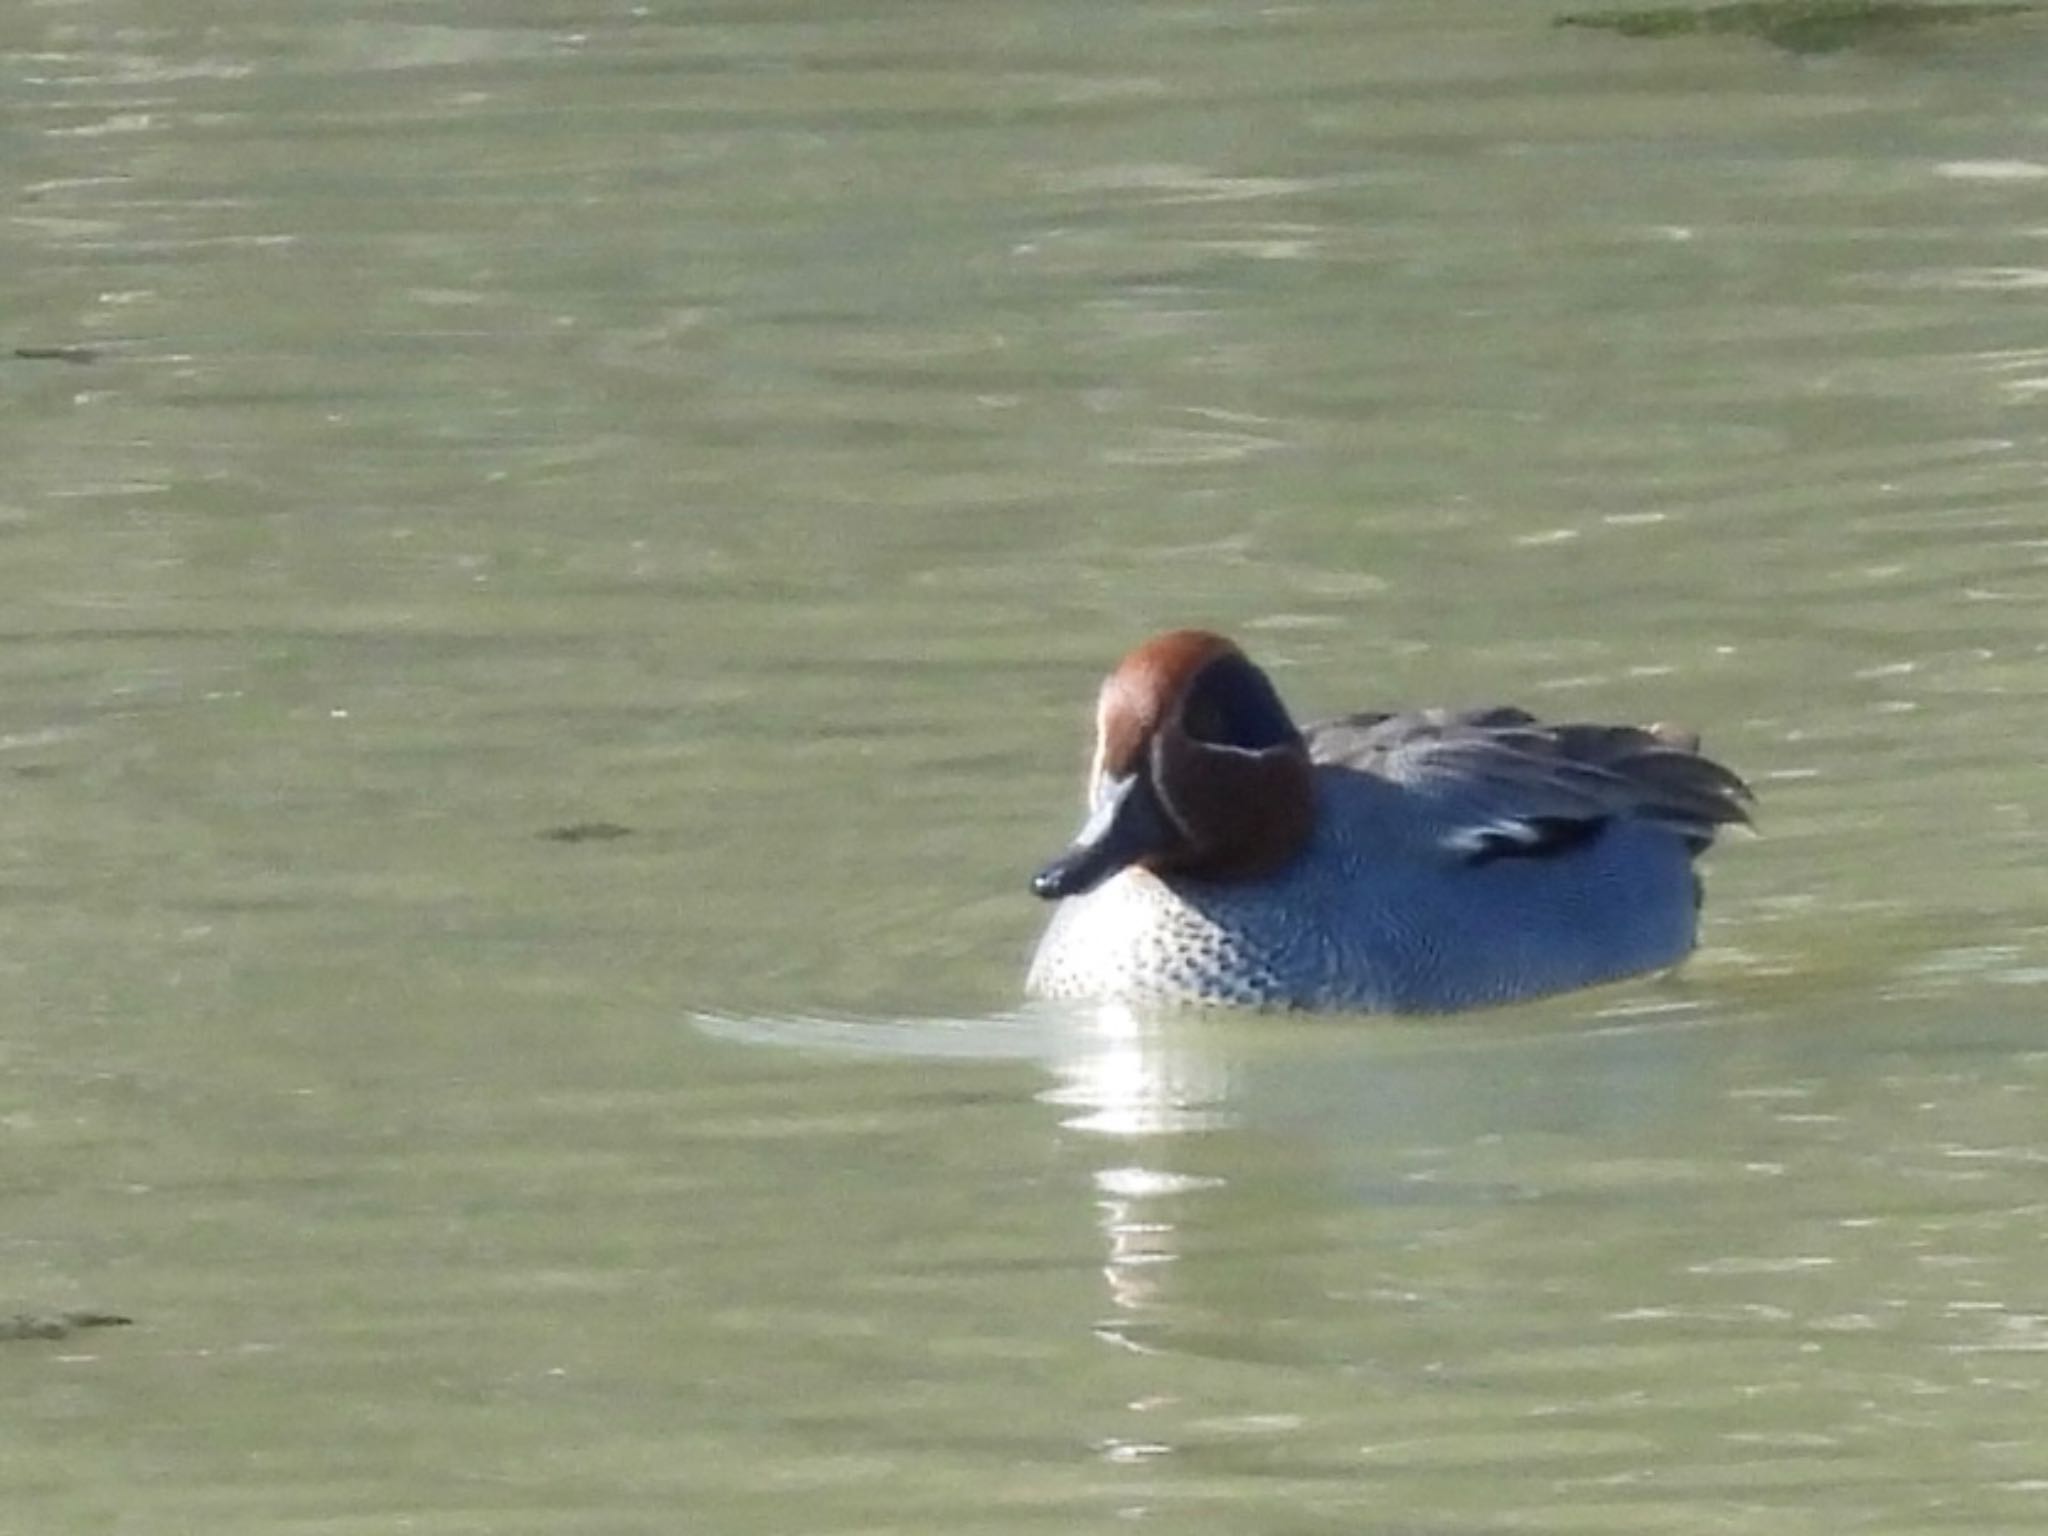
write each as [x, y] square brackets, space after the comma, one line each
[1197, 770]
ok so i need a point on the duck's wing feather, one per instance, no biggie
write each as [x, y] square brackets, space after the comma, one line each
[1512, 784]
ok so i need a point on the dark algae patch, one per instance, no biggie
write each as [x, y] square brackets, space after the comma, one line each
[56, 1325]
[585, 832]
[78, 355]
[1800, 26]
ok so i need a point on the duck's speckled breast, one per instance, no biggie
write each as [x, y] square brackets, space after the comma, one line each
[1136, 938]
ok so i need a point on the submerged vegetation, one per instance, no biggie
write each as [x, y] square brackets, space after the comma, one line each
[56, 1325]
[1803, 26]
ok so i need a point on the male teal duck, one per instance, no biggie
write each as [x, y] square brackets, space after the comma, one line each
[1386, 863]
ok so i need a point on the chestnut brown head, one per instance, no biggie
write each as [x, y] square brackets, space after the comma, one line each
[1198, 770]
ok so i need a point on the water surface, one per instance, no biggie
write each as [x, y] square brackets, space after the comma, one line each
[755, 427]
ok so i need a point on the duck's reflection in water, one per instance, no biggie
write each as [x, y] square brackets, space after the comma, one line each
[1243, 1141]
[1125, 1074]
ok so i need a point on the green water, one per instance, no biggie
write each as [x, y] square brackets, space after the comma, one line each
[756, 427]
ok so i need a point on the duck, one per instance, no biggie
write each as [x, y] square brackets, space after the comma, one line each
[1427, 861]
